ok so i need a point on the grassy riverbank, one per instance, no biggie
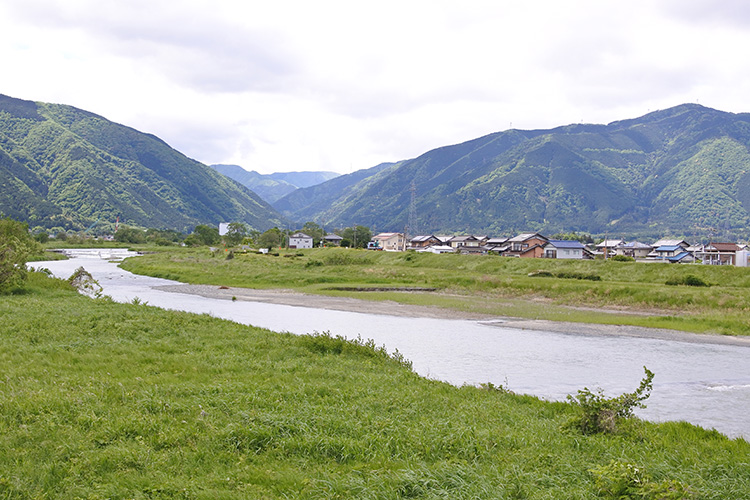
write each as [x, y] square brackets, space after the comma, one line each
[608, 292]
[106, 400]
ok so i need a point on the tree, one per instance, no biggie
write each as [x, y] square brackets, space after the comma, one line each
[236, 232]
[16, 244]
[358, 236]
[271, 238]
[127, 234]
[203, 235]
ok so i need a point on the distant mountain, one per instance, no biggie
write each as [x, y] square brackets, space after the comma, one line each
[681, 171]
[304, 179]
[272, 187]
[322, 201]
[62, 167]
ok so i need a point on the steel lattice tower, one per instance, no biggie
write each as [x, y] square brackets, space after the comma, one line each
[413, 227]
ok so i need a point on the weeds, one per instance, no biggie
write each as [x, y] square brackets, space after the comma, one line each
[622, 480]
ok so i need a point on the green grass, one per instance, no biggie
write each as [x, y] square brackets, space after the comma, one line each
[628, 293]
[107, 400]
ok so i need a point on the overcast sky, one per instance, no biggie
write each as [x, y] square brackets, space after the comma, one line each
[344, 85]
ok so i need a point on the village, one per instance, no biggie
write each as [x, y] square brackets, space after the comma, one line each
[535, 245]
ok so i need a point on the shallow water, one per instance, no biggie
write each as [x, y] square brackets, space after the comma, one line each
[703, 383]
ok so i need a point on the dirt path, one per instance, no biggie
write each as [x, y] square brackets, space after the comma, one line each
[292, 298]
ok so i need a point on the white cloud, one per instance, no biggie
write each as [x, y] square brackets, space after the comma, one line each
[340, 85]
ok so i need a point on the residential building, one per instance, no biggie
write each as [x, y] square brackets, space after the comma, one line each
[464, 241]
[332, 239]
[300, 240]
[564, 249]
[391, 242]
[634, 249]
[526, 245]
[607, 247]
[424, 241]
[720, 254]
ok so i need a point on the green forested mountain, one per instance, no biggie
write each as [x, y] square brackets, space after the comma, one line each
[272, 187]
[67, 168]
[682, 171]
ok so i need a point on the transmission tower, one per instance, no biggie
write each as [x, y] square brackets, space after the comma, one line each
[413, 227]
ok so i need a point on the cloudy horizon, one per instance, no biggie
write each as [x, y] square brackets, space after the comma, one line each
[342, 86]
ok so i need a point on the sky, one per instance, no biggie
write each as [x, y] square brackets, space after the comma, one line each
[294, 85]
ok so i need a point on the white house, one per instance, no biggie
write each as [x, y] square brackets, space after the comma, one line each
[563, 249]
[300, 240]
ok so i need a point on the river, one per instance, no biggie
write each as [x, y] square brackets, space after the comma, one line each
[704, 383]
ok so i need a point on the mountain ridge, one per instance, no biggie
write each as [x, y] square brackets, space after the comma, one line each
[68, 168]
[635, 176]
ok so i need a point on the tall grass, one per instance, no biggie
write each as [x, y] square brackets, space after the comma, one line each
[106, 400]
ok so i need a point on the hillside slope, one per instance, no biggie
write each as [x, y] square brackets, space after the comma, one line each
[684, 170]
[62, 167]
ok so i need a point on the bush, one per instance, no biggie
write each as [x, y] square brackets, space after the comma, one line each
[565, 275]
[622, 258]
[599, 414]
[688, 280]
[82, 281]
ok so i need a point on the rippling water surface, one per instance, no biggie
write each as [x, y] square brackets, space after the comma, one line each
[703, 383]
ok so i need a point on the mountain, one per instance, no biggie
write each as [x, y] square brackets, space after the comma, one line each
[322, 201]
[272, 187]
[62, 167]
[304, 179]
[681, 171]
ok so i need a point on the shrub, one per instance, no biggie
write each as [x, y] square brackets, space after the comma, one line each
[687, 280]
[565, 275]
[622, 258]
[600, 414]
[82, 281]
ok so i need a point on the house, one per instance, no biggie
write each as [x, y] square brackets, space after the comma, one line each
[667, 251]
[464, 241]
[390, 242]
[720, 254]
[607, 247]
[332, 239]
[436, 249]
[668, 243]
[526, 245]
[300, 240]
[424, 241]
[634, 249]
[564, 249]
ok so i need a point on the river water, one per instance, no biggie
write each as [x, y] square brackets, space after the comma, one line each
[707, 384]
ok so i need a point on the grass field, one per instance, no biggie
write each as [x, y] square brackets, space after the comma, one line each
[105, 400]
[610, 292]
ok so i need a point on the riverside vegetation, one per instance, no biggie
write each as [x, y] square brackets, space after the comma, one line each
[106, 400]
[692, 298]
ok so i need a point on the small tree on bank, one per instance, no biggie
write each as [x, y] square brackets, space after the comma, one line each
[16, 244]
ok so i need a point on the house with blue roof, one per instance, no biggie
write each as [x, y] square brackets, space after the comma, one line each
[564, 249]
